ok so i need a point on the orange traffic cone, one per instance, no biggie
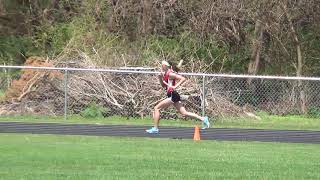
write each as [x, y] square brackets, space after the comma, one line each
[196, 135]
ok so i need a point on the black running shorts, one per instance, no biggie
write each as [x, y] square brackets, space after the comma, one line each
[174, 95]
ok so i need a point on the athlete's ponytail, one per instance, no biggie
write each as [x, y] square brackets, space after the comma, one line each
[176, 67]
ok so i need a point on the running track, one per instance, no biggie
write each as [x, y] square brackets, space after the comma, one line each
[225, 134]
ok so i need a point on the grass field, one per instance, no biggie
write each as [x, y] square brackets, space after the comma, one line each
[78, 157]
[266, 122]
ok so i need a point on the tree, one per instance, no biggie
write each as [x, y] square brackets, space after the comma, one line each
[2, 9]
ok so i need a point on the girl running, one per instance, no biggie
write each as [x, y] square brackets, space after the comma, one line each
[170, 80]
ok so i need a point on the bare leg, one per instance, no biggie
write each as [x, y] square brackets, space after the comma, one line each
[156, 114]
[184, 112]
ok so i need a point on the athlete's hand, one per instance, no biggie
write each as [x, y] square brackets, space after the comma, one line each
[165, 83]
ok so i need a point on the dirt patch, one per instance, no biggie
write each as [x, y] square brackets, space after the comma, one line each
[34, 92]
[29, 78]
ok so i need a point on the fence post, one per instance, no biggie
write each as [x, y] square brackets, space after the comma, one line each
[65, 94]
[203, 95]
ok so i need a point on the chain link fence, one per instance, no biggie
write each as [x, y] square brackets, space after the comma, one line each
[275, 96]
[100, 93]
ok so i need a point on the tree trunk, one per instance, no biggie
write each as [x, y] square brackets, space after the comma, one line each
[146, 16]
[112, 15]
[299, 67]
[256, 49]
[54, 4]
[2, 9]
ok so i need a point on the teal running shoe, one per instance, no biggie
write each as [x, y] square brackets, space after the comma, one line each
[153, 130]
[206, 123]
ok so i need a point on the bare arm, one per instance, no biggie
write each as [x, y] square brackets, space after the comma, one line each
[161, 81]
[178, 77]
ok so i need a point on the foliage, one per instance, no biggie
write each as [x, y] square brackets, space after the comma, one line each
[94, 110]
[314, 112]
[222, 36]
[13, 49]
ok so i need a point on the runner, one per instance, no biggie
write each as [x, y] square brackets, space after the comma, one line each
[170, 80]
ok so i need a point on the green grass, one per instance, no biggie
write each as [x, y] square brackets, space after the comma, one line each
[79, 157]
[266, 122]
